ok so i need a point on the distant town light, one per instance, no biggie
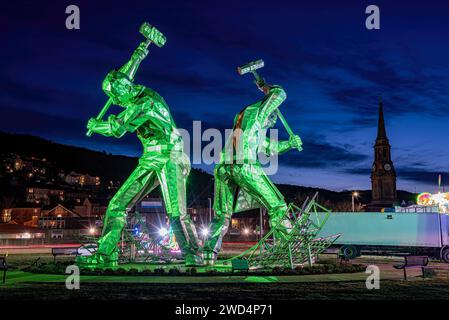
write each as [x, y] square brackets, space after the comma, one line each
[246, 231]
[92, 230]
[355, 194]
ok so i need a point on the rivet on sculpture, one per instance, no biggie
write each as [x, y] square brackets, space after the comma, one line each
[163, 161]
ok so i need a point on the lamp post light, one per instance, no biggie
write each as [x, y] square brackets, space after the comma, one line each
[355, 194]
[205, 232]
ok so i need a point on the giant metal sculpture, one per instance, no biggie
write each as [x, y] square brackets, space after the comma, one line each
[240, 182]
[163, 161]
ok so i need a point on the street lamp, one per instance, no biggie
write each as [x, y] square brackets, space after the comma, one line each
[355, 194]
[205, 232]
[163, 231]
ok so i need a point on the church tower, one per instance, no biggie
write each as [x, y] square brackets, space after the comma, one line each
[383, 175]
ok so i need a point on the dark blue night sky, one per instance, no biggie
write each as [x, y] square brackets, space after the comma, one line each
[333, 69]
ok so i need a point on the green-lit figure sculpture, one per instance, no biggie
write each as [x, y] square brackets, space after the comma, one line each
[240, 182]
[163, 161]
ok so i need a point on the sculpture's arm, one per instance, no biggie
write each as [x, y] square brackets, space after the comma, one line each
[130, 68]
[273, 147]
[117, 125]
[274, 96]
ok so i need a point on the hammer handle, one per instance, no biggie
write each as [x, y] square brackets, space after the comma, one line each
[286, 126]
[101, 114]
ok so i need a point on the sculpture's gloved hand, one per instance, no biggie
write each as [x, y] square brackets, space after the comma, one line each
[92, 124]
[296, 142]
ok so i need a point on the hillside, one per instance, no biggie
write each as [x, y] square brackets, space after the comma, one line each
[116, 167]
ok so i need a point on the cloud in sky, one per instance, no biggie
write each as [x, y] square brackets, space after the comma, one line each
[333, 70]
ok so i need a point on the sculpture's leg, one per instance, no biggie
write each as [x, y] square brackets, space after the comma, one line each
[253, 179]
[173, 186]
[139, 183]
[223, 207]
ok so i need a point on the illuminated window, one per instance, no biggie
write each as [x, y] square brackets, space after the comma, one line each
[6, 215]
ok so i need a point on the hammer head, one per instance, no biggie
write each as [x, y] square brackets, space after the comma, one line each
[152, 34]
[250, 67]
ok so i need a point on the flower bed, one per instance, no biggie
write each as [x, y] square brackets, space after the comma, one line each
[327, 268]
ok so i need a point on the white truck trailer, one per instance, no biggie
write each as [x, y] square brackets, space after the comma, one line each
[388, 233]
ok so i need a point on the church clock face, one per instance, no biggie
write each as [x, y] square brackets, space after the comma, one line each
[387, 167]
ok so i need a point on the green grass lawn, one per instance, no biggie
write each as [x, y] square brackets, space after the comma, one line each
[49, 287]
[350, 286]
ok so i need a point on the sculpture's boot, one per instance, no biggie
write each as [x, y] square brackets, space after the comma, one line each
[107, 254]
[185, 234]
[98, 260]
[219, 227]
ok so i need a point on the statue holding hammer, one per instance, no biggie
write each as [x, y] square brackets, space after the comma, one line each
[163, 161]
[240, 182]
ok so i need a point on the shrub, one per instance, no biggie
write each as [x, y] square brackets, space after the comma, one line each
[193, 270]
[277, 270]
[212, 272]
[307, 270]
[120, 272]
[357, 268]
[290, 271]
[299, 270]
[133, 272]
[159, 271]
[109, 271]
[50, 268]
[98, 272]
[328, 268]
[146, 272]
[174, 271]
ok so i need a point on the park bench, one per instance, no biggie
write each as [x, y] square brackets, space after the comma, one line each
[63, 252]
[4, 267]
[413, 262]
[240, 265]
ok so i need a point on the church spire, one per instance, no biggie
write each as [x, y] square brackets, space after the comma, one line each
[381, 132]
[383, 175]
